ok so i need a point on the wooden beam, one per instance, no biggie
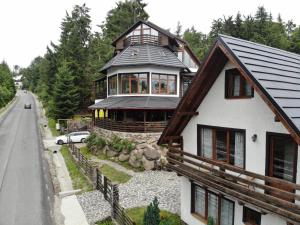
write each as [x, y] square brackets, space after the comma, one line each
[235, 193]
[187, 113]
[234, 178]
[236, 169]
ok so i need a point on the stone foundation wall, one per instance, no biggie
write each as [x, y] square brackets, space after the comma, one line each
[146, 154]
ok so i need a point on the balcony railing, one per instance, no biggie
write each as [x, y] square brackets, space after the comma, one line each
[142, 39]
[101, 95]
[128, 126]
[245, 186]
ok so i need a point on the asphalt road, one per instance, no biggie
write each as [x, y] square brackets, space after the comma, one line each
[26, 194]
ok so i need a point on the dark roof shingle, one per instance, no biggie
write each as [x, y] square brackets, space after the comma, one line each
[137, 102]
[145, 55]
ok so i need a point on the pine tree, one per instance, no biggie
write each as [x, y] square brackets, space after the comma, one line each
[74, 48]
[7, 86]
[151, 216]
[66, 97]
[178, 30]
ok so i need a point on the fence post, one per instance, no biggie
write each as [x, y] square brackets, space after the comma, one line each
[105, 187]
[115, 200]
[97, 179]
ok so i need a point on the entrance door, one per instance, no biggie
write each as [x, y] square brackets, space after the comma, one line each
[282, 163]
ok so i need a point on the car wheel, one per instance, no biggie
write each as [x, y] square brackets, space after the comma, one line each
[83, 140]
[60, 142]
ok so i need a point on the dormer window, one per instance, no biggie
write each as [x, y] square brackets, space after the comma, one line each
[236, 85]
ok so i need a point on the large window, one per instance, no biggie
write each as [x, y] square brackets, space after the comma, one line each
[135, 83]
[236, 86]
[223, 144]
[209, 205]
[112, 85]
[164, 84]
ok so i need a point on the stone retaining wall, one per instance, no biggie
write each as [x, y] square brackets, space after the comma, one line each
[147, 153]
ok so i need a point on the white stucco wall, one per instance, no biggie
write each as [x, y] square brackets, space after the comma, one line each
[254, 116]
[150, 70]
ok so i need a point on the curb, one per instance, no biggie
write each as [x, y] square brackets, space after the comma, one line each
[68, 193]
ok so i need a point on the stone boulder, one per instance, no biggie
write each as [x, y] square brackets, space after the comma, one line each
[111, 153]
[134, 161]
[144, 146]
[105, 149]
[151, 154]
[123, 157]
[147, 164]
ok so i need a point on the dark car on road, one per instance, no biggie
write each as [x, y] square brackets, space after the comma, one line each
[27, 106]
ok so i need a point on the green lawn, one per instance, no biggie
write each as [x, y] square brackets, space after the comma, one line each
[79, 181]
[52, 124]
[85, 152]
[114, 175]
[105, 222]
[88, 154]
[137, 215]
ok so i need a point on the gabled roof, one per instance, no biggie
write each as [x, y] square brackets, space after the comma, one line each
[163, 31]
[145, 55]
[274, 74]
[137, 102]
[152, 25]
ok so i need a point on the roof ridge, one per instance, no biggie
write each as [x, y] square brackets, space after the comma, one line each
[259, 44]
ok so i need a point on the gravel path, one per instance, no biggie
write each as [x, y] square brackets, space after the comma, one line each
[140, 190]
[94, 206]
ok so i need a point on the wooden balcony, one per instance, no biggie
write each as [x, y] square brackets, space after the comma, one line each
[246, 187]
[128, 126]
[142, 39]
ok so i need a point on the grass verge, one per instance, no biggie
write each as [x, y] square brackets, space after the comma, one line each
[79, 181]
[114, 175]
[105, 222]
[52, 126]
[137, 215]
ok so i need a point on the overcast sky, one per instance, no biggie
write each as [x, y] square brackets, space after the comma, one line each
[28, 26]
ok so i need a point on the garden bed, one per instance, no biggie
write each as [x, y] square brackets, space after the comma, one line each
[137, 215]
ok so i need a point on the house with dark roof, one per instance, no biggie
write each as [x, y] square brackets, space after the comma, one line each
[234, 137]
[144, 81]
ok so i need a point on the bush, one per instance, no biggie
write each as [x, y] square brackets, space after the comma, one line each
[167, 218]
[94, 142]
[152, 216]
[119, 144]
[210, 221]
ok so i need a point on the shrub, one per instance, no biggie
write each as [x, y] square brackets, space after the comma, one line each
[151, 216]
[167, 218]
[210, 221]
[119, 144]
[94, 142]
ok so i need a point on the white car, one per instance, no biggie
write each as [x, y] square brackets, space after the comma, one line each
[79, 136]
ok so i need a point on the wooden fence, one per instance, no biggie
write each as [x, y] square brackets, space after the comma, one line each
[131, 126]
[111, 194]
[83, 162]
[109, 190]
